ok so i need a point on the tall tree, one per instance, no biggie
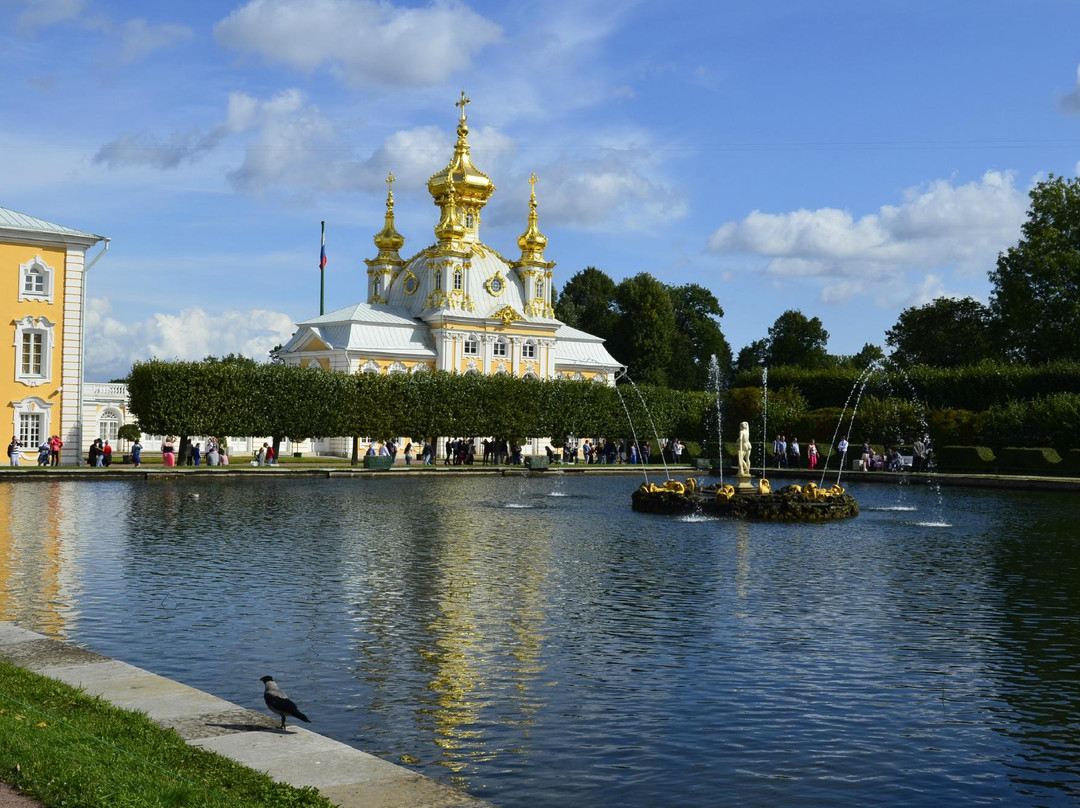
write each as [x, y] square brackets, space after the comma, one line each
[754, 355]
[645, 329]
[698, 337]
[947, 332]
[587, 301]
[796, 340]
[1036, 284]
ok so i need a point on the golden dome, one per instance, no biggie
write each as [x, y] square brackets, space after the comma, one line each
[389, 240]
[471, 186]
[532, 242]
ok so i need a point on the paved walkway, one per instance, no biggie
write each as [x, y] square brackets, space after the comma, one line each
[346, 776]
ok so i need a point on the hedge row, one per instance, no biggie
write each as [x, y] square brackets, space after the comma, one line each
[975, 387]
[1039, 461]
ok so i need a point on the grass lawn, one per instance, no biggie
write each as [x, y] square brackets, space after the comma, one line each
[65, 748]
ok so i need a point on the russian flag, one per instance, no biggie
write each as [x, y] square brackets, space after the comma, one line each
[322, 251]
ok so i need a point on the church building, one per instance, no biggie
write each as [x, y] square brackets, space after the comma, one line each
[456, 305]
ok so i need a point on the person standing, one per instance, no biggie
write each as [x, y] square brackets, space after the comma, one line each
[408, 453]
[842, 447]
[136, 453]
[55, 444]
[918, 460]
[106, 455]
[13, 451]
[168, 451]
[812, 454]
[43, 454]
[795, 452]
[271, 455]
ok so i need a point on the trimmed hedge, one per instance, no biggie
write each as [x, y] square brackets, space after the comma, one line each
[1029, 460]
[965, 459]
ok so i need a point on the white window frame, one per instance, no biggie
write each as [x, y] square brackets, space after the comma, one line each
[109, 423]
[540, 288]
[501, 348]
[36, 266]
[370, 366]
[397, 367]
[39, 409]
[459, 280]
[471, 346]
[528, 350]
[34, 325]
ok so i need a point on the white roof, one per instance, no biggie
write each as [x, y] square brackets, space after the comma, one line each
[385, 330]
[576, 349]
[11, 220]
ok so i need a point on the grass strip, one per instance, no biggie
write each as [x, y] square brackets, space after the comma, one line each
[66, 748]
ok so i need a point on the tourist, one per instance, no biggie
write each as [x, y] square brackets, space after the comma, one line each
[408, 453]
[168, 451]
[94, 455]
[812, 454]
[776, 444]
[260, 456]
[13, 450]
[106, 455]
[795, 452]
[646, 451]
[867, 456]
[55, 445]
[43, 454]
[271, 455]
[842, 447]
[515, 453]
[136, 453]
[425, 453]
[223, 456]
[918, 459]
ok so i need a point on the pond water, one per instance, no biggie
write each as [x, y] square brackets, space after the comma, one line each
[533, 641]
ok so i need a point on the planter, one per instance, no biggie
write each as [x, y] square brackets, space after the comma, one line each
[537, 463]
[377, 462]
[297, 454]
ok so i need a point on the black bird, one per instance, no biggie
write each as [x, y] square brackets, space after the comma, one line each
[279, 703]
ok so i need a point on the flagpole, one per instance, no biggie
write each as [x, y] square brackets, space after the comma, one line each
[322, 273]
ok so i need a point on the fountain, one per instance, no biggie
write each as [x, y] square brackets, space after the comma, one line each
[744, 500]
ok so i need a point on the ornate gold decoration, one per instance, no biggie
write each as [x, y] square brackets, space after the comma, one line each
[388, 240]
[410, 283]
[532, 242]
[496, 284]
[471, 187]
[507, 315]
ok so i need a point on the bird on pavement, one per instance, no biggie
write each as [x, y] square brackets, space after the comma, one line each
[279, 703]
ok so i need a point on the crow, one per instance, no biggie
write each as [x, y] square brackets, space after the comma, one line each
[279, 703]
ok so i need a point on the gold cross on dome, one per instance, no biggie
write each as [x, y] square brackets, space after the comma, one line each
[462, 104]
[533, 180]
[390, 180]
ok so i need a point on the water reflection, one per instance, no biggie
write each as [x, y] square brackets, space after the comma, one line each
[536, 642]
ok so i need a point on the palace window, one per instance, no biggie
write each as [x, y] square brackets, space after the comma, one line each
[36, 280]
[540, 287]
[528, 350]
[469, 220]
[457, 280]
[31, 421]
[376, 287]
[438, 280]
[472, 346]
[33, 350]
[109, 425]
[500, 348]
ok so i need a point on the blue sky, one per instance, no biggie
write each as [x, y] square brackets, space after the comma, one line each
[847, 159]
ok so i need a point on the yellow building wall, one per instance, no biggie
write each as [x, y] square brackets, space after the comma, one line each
[12, 257]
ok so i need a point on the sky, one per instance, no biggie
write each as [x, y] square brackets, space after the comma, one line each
[845, 159]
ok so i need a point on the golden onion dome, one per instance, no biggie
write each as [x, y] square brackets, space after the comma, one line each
[532, 242]
[389, 240]
[472, 186]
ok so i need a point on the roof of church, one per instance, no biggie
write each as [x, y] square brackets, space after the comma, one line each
[383, 330]
[574, 348]
[13, 220]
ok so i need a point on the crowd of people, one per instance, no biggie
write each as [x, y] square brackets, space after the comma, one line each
[788, 454]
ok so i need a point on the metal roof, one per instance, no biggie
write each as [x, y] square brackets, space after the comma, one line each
[13, 220]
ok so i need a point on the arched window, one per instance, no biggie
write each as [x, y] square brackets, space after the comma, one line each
[539, 287]
[438, 280]
[472, 346]
[397, 367]
[108, 425]
[370, 366]
[36, 280]
[528, 350]
[469, 220]
[376, 287]
[457, 280]
[501, 348]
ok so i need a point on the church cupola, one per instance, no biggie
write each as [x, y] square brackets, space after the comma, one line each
[384, 267]
[461, 184]
[533, 271]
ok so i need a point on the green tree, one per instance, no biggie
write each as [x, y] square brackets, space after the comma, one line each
[645, 329]
[796, 340]
[587, 301]
[947, 332]
[753, 356]
[698, 337]
[1036, 284]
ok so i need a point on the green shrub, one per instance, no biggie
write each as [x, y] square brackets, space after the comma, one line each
[1029, 460]
[963, 459]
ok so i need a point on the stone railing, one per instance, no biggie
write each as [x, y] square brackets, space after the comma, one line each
[105, 390]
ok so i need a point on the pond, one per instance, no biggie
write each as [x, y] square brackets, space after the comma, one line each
[533, 641]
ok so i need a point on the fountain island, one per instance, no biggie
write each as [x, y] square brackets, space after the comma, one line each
[792, 503]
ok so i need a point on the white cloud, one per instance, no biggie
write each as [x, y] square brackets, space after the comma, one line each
[139, 39]
[112, 345]
[362, 42]
[938, 225]
[42, 13]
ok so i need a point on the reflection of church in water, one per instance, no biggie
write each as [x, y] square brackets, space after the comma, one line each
[456, 305]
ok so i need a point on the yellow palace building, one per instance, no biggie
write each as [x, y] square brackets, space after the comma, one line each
[457, 305]
[44, 299]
